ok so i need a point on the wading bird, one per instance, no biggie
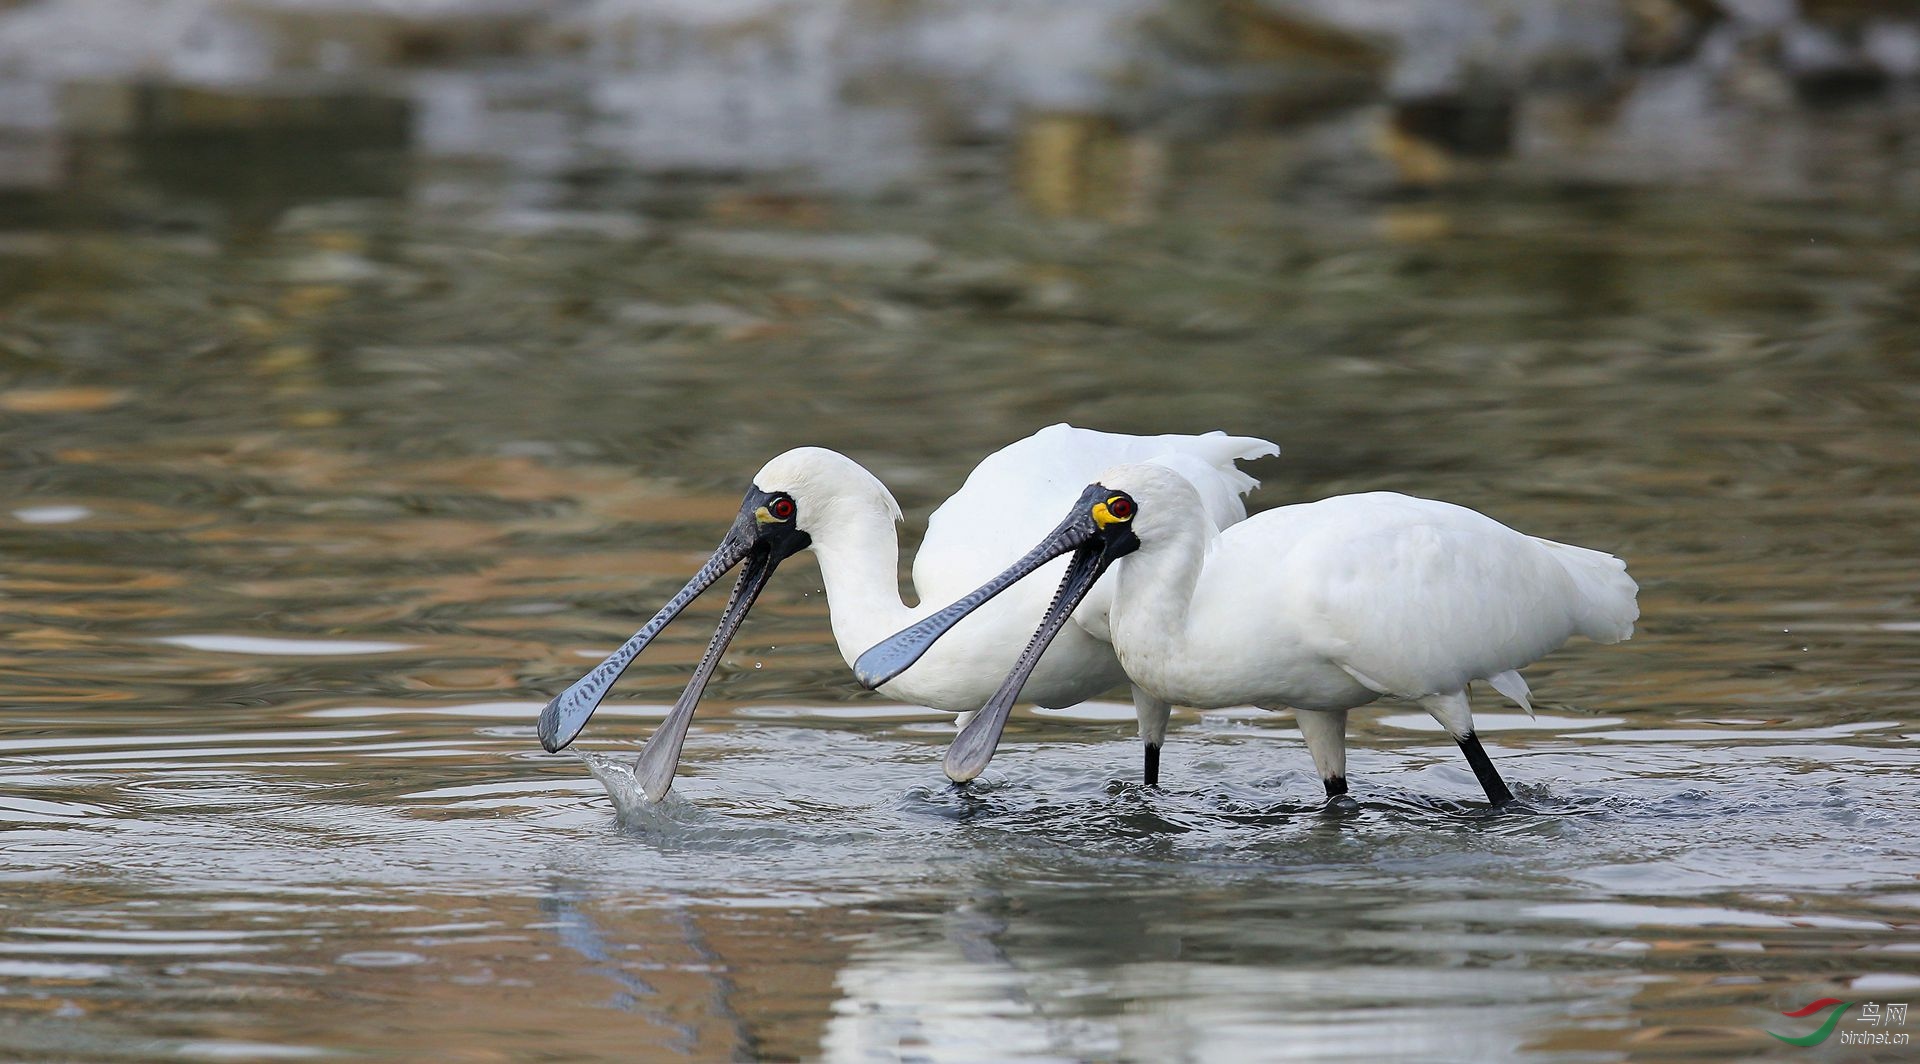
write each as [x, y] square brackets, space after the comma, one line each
[813, 498]
[1317, 607]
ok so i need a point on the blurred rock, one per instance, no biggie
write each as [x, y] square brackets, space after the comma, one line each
[27, 105]
[341, 36]
[200, 40]
[1894, 47]
[99, 108]
[166, 110]
[1665, 31]
[853, 95]
[1441, 47]
[1443, 138]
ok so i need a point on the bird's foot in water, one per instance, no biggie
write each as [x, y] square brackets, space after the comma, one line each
[1338, 801]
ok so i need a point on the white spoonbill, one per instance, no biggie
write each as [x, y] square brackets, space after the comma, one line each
[1318, 607]
[813, 498]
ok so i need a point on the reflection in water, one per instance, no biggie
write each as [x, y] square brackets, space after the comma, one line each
[1082, 165]
[324, 468]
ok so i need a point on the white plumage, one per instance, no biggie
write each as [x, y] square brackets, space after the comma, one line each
[1009, 500]
[1317, 607]
[817, 499]
[1324, 606]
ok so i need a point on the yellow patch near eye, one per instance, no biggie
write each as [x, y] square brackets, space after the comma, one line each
[1103, 514]
[761, 515]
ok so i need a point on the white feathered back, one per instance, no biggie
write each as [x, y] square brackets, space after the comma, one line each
[1031, 483]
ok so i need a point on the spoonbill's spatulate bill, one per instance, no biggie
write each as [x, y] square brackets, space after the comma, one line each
[1318, 607]
[812, 498]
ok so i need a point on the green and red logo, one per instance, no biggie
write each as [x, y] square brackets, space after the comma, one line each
[1839, 1008]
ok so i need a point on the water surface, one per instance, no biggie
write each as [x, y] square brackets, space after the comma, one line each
[312, 490]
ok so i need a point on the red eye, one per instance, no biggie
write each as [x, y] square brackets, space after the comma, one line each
[781, 508]
[1120, 506]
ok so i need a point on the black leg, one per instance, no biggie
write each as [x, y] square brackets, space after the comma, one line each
[1336, 786]
[1497, 793]
[1153, 764]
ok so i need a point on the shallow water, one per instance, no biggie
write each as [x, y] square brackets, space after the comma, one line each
[315, 489]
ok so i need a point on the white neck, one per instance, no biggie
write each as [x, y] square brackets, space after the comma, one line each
[860, 564]
[1153, 593]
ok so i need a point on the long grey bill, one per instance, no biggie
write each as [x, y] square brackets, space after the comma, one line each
[973, 748]
[563, 717]
[660, 758]
[896, 654]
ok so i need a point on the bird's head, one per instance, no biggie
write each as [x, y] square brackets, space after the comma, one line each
[826, 490]
[1161, 500]
[804, 493]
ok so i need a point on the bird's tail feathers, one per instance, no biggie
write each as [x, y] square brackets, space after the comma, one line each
[1224, 450]
[1207, 461]
[1607, 599]
[1514, 687]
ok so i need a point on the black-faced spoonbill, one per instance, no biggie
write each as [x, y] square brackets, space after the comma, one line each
[1318, 607]
[813, 498]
